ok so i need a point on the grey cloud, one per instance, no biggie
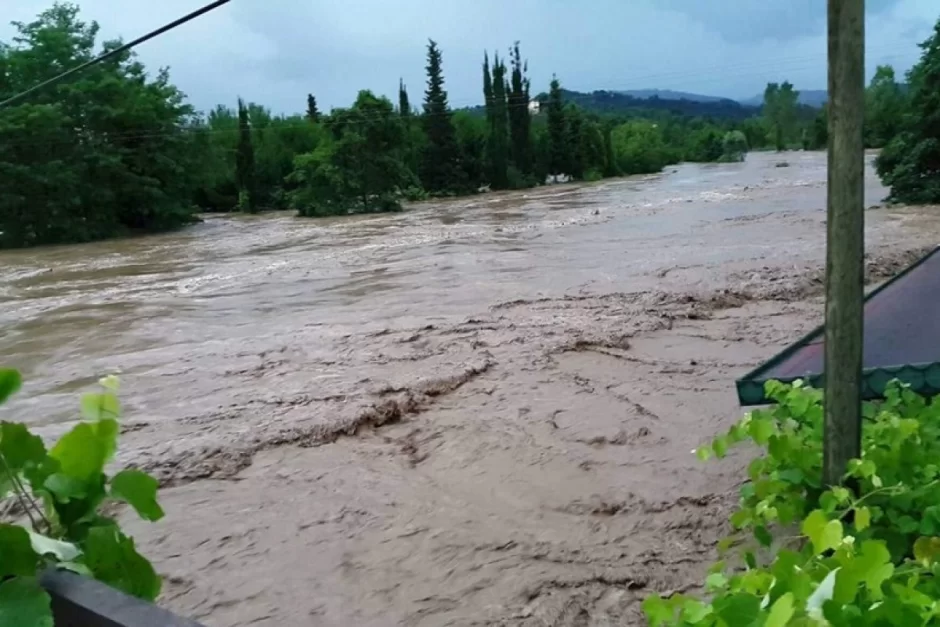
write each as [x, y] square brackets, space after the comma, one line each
[758, 20]
[276, 52]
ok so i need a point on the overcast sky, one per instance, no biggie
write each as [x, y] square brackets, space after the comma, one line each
[275, 51]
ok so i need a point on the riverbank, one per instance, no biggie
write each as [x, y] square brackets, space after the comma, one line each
[477, 412]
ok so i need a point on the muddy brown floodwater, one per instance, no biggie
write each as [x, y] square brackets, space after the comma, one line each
[477, 412]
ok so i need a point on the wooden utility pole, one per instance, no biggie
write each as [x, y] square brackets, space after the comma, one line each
[845, 238]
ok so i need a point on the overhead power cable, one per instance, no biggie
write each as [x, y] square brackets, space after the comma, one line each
[112, 53]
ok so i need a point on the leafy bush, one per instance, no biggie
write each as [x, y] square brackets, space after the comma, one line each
[414, 193]
[61, 492]
[734, 147]
[593, 175]
[804, 554]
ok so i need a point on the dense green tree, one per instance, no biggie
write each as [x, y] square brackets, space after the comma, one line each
[313, 113]
[819, 129]
[780, 112]
[574, 162]
[611, 167]
[404, 104]
[276, 141]
[639, 147]
[111, 153]
[245, 175]
[440, 171]
[487, 86]
[910, 163]
[706, 144]
[471, 137]
[755, 129]
[519, 118]
[497, 146]
[885, 105]
[557, 130]
[360, 169]
[734, 147]
[593, 151]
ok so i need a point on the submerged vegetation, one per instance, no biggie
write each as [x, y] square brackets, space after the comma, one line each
[118, 151]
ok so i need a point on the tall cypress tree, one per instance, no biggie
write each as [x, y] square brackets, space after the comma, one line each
[498, 140]
[556, 130]
[313, 114]
[440, 170]
[404, 105]
[519, 119]
[245, 162]
[487, 86]
[574, 166]
[610, 158]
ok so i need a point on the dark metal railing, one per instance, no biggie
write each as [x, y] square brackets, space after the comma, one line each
[83, 602]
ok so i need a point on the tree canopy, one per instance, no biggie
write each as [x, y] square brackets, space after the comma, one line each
[105, 154]
[910, 162]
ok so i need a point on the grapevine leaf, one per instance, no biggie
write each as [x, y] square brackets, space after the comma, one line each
[720, 446]
[111, 556]
[64, 487]
[750, 559]
[107, 430]
[737, 609]
[862, 518]
[761, 429]
[695, 612]
[80, 452]
[99, 406]
[24, 604]
[715, 581]
[657, 610]
[140, 491]
[781, 611]
[799, 403]
[10, 382]
[704, 453]
[76, 567]
[875, 566]
[825, 534]
[763, 535]
[17, 556]
[19, 447]
[44, 545]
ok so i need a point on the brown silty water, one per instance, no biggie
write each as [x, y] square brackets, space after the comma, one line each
[477, 412]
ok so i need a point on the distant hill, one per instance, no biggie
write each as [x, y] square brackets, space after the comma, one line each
[809, 97]
[667, 100]
[603, 101]
[668, 94]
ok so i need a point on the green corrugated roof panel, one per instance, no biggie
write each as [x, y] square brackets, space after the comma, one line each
[902, 340]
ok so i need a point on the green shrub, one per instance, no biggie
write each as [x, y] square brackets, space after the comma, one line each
[61, 492]
[593, 175]
[805, 554]
[415, 193]
[734, 147]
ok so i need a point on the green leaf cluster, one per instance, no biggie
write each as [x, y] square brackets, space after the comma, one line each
[864, 553]
[60, 492]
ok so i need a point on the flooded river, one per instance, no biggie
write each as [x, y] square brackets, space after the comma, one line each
[475, 412]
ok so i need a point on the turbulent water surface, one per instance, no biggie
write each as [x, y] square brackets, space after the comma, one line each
[477, 412]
